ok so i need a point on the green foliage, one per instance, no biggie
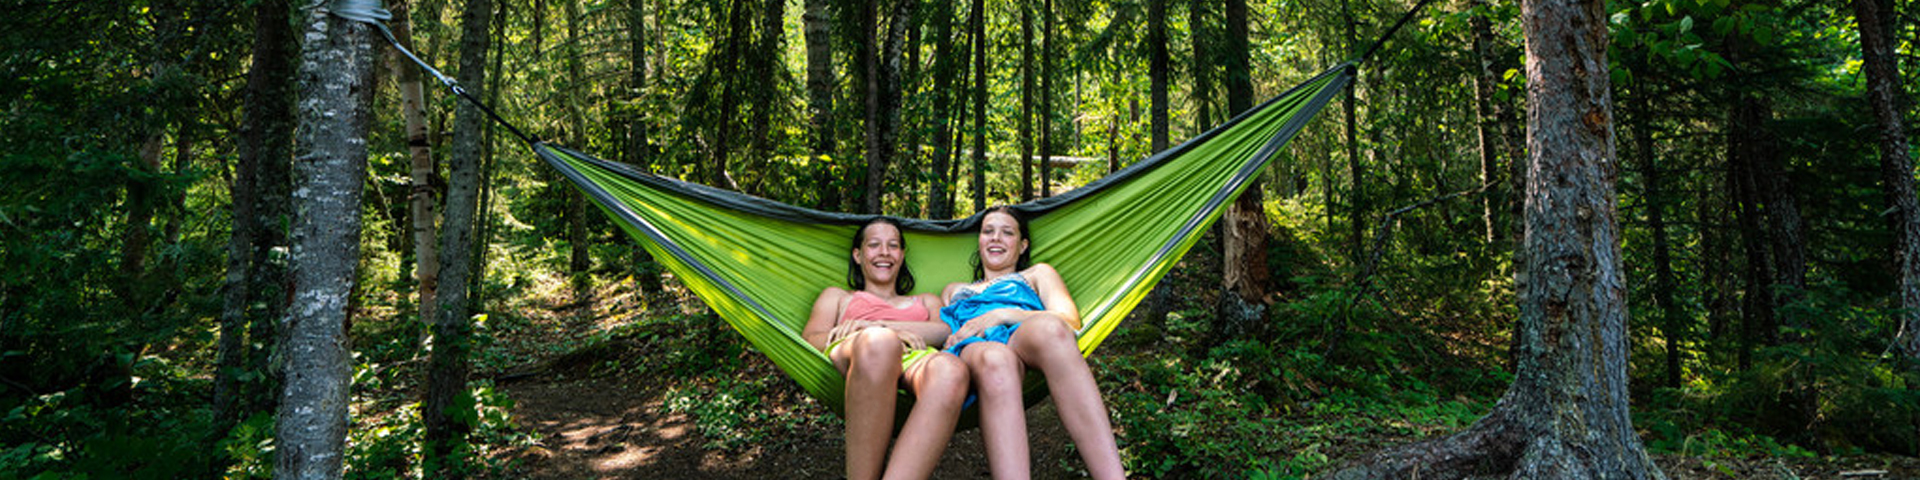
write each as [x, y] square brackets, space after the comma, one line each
[1833, 387]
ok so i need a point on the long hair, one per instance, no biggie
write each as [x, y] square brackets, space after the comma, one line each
[1026, 256]
[858, 281]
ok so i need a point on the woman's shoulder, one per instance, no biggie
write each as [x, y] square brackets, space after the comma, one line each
[946, 293]
[833, 294]
[931, 301]
[1040, 270]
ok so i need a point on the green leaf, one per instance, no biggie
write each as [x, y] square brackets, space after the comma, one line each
[1723, 25]
[1686, 24]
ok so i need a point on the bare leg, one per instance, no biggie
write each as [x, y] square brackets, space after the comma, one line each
[871, 361]
[1048, 345]
[939, 385]
[996, 375]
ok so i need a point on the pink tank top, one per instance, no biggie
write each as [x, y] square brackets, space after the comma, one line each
[867, 306]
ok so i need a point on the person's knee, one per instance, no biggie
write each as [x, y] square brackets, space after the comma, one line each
[1050, 328]
[876, 352]
[946, 378]
[994, 368]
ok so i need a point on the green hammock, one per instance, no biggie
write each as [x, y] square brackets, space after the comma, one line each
[760, 264]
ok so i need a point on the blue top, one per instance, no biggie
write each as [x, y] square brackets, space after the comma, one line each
[1009, 291]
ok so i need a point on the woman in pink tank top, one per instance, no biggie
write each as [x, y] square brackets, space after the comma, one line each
[876, 333]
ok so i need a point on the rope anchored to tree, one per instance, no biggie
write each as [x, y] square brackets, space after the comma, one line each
[372, 13]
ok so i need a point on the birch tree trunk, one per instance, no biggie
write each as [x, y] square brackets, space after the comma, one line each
[1566, 414]
[447, 367]
[421, 199]
[330, 169]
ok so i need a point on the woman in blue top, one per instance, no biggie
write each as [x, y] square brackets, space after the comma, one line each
[1016, 316]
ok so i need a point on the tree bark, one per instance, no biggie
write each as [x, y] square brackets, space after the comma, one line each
[979, 105]
[820, 91]
[1487, 129]
[421, 199]
[1244, 250]
[1896, 164]
[1026, 102]
[883, 98]
[447, 367]
[1566, 414]
[266, 139]
[945, 100]
[1159, 71]
[766, 58]
[334, 111]
[1202, 64]
[639, 149]
[1046, 98]
[1356, 196]
[580, 261]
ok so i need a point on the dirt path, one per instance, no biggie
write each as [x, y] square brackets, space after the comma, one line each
[602, 429]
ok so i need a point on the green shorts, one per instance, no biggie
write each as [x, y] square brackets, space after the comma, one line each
[906, 360]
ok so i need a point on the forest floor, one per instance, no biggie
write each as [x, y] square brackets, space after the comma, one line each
[609, 395]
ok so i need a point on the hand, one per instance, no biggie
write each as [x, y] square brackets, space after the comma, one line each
[846, 329]
[910, 341]
[978, 325]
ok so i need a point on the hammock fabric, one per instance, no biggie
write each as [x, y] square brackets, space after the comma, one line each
[760, 264]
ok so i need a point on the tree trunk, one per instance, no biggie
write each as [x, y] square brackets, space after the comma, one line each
[1159, 71]
[1756, 305]
[980, 105]
[1488, 127]
[1026, 102]
[1244, 248]
[335, 81]
[266, 139]
[447, 368]
[421, 199]
[1654, 202]
[1896, 165]
[580, 262]
[639, 150]
[1357, 196]
[820, 90]
[1202, 64]
[1153, 309]
[1566, 414]
[1046, 98]
[945, 99]
[883, 98]
[766, 58]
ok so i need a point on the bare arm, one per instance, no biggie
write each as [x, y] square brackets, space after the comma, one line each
[1053, 295]
[826, 313]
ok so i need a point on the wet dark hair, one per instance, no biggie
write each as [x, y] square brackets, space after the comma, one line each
[1026, 256]
[858, 281]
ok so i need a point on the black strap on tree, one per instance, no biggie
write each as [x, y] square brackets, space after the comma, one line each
[370, 12]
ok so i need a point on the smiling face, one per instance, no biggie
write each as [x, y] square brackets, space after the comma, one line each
[1001, 244]
[881, 254]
